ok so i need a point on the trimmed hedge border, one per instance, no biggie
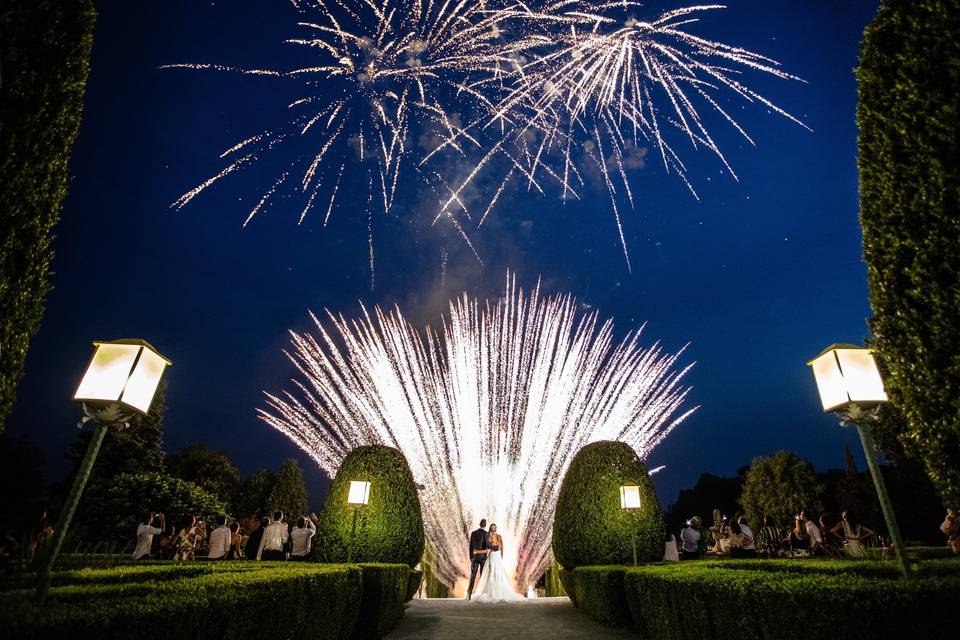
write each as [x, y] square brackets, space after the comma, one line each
[199, 599]
[600, 593]
[740, 600]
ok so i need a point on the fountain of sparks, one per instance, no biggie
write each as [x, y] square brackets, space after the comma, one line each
[489, 411]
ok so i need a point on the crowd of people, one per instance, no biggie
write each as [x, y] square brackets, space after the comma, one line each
[263, 539]
[844, 538]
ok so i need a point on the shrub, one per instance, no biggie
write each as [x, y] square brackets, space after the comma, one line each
[389, 528]
[781, 486]
[228, 599]
[45, 59]
[909, 78]
[765, 599]
[599, 593]
[589, 527]
[111, 512]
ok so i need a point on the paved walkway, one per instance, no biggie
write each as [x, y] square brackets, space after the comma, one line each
[539, 619]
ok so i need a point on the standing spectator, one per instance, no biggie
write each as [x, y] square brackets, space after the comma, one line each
[236, 548]
[690, 539]
[145, 532]
[750, 542]
[274, 537]
[670, 549]
[301, 537]
[220, 539]
[854, 533]
[951, 528]
[253, 540]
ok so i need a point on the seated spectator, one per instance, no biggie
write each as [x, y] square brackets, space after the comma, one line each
[799, 537]
[220, 539]
[145, 532]
[771, 540]
[301, 537]
[750, 543]
[191, 533]
[832, 543]
[275, 536]
[236, 546]
[735, 540]
[813, 531]
[951, 529]
[253, 540]
[690, 538]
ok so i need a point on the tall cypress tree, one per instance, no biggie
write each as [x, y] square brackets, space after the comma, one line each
[289, 494]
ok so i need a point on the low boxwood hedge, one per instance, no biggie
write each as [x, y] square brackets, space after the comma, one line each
[200, 599]
[413, 584]
[739, 600]
[385, 589]
[599, 592]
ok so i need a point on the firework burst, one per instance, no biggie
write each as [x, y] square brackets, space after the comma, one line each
[538, 96]
[489, 411]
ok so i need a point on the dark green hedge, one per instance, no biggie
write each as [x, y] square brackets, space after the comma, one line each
[389, 528]
[233, 599]
[385, 588]
[589, 527]
[599, 592]
[909, 158]
[413, 585]
[741, 601]
[44, 55]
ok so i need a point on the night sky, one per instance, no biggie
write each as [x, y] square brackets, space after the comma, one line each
[758, 275]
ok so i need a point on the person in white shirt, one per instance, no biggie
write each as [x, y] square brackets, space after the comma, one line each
[813, 531]
[145, 533]
[274, 537]
[749, 543]
[218, 545]
[301, 537]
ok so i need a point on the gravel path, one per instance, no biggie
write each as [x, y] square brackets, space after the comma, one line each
[539, 619]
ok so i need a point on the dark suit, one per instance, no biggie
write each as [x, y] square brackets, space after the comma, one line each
[478, 542]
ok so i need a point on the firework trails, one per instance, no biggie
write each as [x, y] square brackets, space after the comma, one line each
[489, 411]
[537, 96]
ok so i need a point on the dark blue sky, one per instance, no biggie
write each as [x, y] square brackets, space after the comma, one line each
[758, 275]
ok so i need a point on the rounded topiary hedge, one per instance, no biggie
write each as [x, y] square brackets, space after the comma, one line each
[589, 527]
[389, 528]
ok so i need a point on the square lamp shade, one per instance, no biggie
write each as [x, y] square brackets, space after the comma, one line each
[630, 497]
[122, 371]
[359, 494]
[847, 374]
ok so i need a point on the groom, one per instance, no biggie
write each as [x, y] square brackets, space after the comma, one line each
[478, 554]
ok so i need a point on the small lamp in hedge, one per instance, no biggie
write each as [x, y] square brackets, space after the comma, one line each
[118, 384]
[851, 386]
[630, 502]
[357, 498]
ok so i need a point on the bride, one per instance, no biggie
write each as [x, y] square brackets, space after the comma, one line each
[494, 585]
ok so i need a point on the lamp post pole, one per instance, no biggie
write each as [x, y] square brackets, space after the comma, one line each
[66, 516]
[353, 536]
[866, 438]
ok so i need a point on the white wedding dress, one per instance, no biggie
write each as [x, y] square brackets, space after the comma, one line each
[494, 585]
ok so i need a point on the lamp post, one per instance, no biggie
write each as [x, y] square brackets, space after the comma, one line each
[630, 502]
[850, 385]
[119, 383]
[357, 498]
